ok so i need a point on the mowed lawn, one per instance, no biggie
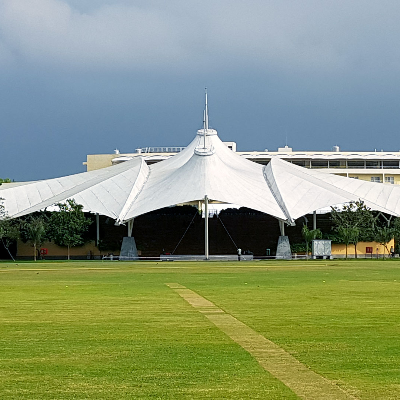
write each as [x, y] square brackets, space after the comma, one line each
[115, 330]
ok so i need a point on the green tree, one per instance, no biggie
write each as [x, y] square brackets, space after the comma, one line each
[386, 229]
[34, 231]
[383, 235]
[354, 222]
[298, 247]
[9, 231]
[309, 236]
[4, 181]
[347, 235]
[3, 213]
[396, 223]
[67, 225]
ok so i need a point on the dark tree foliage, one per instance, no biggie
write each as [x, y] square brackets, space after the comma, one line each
[9, 230]
[240, 211]
[396, 224]
[386, 229]
[298, 247]
[67, 226]
[309, 236]
[353, 223]
[6, 180]
[34, 230]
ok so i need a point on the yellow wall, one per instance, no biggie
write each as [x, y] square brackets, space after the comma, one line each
[367, 177]
[340, 249]
[26, 250]
[98, 161]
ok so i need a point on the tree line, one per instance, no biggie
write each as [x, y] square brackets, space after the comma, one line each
[64, 227]
[355, 222]
[6, 180]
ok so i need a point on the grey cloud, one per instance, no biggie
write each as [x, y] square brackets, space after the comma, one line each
[86, 76]
[329, 36]
[51, 32]
[6, 56]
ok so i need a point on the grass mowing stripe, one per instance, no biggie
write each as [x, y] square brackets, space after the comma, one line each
[305, 383]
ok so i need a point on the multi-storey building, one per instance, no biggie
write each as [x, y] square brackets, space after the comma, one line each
[375, 166]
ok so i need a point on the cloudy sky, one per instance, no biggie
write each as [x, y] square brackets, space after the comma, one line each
[82, 77]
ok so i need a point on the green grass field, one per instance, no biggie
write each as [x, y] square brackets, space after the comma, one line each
[115, 330]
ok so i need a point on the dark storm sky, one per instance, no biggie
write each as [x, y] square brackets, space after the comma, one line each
[82, 77]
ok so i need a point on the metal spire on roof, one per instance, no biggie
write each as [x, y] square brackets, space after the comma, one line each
[205, 120]
[205, 147]
[206, 112]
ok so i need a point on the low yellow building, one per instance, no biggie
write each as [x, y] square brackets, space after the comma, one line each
[51, 250]
[364, 250]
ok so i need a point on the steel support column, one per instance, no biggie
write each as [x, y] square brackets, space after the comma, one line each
[282, 227]
[97, 229]
[207, 254]
[130, 227]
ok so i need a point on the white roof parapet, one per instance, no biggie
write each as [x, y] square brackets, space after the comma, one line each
[327, 155]
[288, 155]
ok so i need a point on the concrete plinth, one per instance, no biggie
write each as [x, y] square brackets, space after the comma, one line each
[283, 250]
[128, 249]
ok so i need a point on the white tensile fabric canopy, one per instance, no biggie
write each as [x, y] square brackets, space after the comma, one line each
[205, 168]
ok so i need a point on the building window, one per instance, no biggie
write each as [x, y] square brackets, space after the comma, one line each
[301, 163]
[355, 164]
[319, 163]
[336, 164]
[373, 164]
[375, 179]
[353, 177]
[391, 164]
[389, 179]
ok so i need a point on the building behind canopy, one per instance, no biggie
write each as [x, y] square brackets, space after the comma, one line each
[372, 166]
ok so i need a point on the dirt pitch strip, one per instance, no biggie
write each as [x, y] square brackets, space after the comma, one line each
[298, 377]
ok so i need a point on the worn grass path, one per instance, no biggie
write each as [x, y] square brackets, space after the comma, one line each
[304, 382]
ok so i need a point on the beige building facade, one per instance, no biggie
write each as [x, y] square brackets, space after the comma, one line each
[376, 166]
